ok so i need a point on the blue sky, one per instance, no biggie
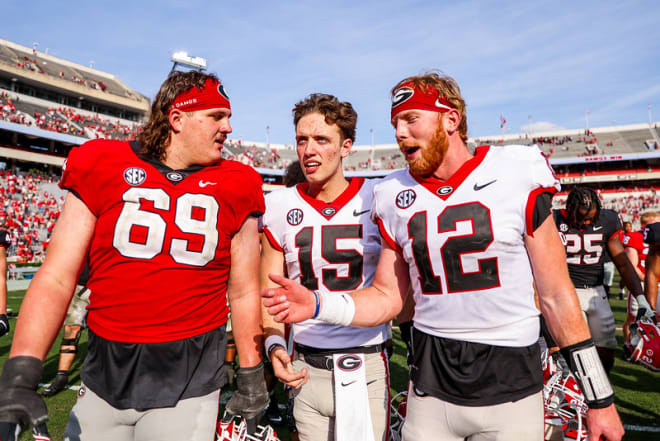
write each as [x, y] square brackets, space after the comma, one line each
[543, 62]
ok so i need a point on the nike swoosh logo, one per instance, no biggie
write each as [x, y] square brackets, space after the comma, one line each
[359, 213]
[205, 183]
[597, 228]
[348, 383]
[439, 105]
[478, 187]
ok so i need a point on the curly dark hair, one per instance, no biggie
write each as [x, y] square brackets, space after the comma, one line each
[334, 111]
[583, 198]
[156, 133]
[294, 174]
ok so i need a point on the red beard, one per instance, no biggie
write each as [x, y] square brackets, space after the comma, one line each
[432, 155]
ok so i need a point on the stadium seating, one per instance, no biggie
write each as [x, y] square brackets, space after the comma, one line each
[29, 206]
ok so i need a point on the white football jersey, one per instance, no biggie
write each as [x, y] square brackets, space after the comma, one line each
[463, 242]
[328, 247]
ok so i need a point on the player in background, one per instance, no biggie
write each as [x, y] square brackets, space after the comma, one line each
[627, 228]
[319, 233]
[471, 233]
[588, 232]
[170, 229]
[73, 327]
[652, 276]
[5, 242]
[636, 250]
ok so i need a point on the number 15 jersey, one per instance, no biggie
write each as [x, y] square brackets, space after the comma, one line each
[329, 247]
[463, 242]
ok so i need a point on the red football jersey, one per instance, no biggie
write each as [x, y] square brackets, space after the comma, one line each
[635, 239]
[160, 255]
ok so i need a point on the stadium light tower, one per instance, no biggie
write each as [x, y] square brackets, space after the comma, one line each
[183, 59]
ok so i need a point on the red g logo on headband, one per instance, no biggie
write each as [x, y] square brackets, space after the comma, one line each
[223, 92]
[402, 95]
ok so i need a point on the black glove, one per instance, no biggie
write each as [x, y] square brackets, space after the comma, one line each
[19, 401]
[251, 396]
[4, 324]
[406, 336]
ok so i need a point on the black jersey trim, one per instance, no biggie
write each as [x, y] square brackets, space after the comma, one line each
[474, 374]
[154, 375]
[542, 209]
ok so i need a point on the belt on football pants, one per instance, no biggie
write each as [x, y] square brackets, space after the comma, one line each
[321, 358]
[587, 286]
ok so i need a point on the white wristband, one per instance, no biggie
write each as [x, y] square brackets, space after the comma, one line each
[272, 341]
[336, 309]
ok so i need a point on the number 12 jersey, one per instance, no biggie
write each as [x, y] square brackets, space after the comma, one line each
[463, 242]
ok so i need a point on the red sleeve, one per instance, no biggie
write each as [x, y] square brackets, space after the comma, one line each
[246, 197]
[82, 173]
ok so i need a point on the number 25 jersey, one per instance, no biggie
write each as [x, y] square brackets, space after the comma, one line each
[329, 247]
[463, 242]
[161, 251]
[586, 248]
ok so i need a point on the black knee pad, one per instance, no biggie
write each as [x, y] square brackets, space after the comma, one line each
[70, 342]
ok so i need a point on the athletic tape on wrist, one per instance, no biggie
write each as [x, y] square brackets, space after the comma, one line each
[583, 360]
[336, 309]
[272, 341]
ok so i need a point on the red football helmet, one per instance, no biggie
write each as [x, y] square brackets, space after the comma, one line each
[235, 429]
[645, 341]
[398, 407]
[563, 399]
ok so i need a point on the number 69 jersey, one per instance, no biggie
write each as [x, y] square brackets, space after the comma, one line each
[161, 251]
[463, 242]
[330, 247]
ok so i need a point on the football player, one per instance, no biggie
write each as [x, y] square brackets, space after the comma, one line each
[170, 229]
[319, 233]
[5, 242]
[588, 232]
[636, 250]
[73, 327]
[652, 238]
[470, 233]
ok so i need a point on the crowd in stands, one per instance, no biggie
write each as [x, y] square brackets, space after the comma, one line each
[28, 212]
[387, 162]
[67, 121]
[258, 157]
[630, 203]
[55, 122]
[31, 64]
[549, 144]
[8, 110]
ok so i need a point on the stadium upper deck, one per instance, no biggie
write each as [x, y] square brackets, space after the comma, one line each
[48, 104]
[34, 73]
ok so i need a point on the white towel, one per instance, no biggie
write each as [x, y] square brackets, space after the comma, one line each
[352, 414]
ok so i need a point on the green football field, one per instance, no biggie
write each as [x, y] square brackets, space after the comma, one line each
[637, 389]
